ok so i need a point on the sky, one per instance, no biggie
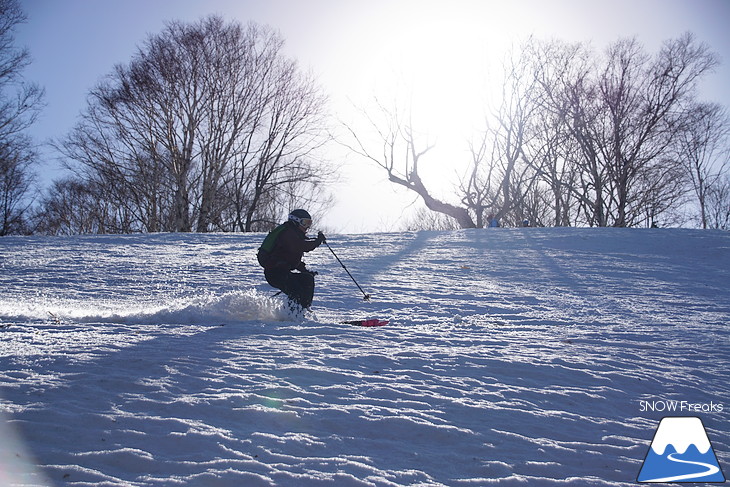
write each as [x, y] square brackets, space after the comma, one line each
[357, 50]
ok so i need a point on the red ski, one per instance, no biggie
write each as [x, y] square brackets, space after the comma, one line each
[373, 322]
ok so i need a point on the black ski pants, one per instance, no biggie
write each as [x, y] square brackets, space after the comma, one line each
[298, 286]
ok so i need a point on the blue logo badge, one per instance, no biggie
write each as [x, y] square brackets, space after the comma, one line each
[680, 452]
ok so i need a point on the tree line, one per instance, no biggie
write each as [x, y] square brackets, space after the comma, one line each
[208, 128]
[211, 127]
[20, 104]
[617, 138]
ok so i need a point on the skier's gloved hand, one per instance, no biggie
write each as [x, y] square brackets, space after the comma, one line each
[320, 238]
[302, 267]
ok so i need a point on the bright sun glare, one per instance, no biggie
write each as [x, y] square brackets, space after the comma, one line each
[436, 61]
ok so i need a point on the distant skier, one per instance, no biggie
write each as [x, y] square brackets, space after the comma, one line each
[493, 221]
[281, 257]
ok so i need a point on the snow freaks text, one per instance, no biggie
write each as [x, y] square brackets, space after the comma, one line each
[673, 406]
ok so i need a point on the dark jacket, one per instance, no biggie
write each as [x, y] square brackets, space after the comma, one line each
[284, 247]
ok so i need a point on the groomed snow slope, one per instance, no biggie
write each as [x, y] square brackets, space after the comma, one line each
[513, 357]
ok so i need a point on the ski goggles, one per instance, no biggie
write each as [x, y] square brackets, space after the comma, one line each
[305, 223]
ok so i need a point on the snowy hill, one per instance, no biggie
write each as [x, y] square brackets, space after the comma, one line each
[513, 357]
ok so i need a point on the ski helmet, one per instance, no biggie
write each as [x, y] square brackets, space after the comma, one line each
[301, 218]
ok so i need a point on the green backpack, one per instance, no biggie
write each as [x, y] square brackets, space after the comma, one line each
[264, 253]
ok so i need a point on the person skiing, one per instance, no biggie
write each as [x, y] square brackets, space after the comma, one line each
[281, 257]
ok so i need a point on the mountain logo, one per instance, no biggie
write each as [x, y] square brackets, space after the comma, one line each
[680, 452]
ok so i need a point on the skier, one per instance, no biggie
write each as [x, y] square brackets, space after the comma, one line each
[493, 221]
[281, 255]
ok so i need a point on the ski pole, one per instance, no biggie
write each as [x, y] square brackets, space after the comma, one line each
[366, 296]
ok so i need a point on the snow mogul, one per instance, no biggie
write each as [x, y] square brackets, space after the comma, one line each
[281, 257]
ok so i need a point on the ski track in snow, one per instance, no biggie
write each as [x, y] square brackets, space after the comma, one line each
[513, 357]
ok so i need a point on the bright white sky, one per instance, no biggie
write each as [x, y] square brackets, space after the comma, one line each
[359, 49]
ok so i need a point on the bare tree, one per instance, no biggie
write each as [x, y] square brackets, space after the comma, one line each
[507, 158]
[20, 103]
[393, 144]
[75, 207]
[284, 159]
[502, 177]
[560, 70]
[703, 146]
[717, 203]
[594, 139]
[207, 121]
[16, 180]
[479, 188]
[626, 120]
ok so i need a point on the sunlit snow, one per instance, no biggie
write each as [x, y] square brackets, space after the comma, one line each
[512, 357]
